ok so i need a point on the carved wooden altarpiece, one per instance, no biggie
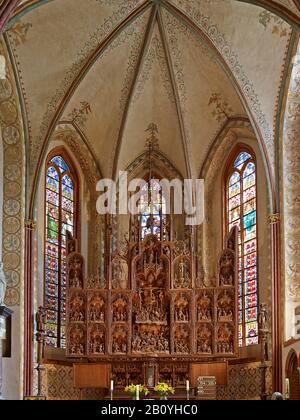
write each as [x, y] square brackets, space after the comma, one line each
[153, 317]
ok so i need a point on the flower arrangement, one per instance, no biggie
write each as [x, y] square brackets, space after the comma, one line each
[132, 389]
[164, 389]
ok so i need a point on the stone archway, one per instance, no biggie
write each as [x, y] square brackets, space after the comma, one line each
[293, 374]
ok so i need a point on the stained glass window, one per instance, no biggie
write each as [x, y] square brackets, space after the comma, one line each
[60, 214]
[153, 211]
[241, 202]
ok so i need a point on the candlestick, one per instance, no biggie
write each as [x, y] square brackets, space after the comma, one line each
[111, 390]
[137, 392]
[287, 388]
[187, 386]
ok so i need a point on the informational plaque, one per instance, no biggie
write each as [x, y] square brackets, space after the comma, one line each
[207, 388]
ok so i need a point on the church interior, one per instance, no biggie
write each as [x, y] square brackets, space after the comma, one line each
[99, 305]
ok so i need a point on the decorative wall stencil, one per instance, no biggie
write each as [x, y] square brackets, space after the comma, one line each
[124, 9]
[210, 29]
[243, 383]
[156, 51]
[291, 194]
[79, 116]
[278, 27]
[18, 32]
[220, 107]
[132, 63]
[12, 134]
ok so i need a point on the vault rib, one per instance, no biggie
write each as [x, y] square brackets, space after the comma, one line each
[82, 73]
[176, 93]
[138, 69]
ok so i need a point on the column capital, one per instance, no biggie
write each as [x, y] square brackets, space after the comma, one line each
[30, 224]
[274, 218]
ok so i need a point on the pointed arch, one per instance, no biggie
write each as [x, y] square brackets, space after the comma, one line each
[240, 209]
[61, 216]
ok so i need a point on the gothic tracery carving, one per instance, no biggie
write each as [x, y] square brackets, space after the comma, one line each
[151, 306]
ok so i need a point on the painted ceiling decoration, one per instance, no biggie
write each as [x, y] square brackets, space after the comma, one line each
[108, 67]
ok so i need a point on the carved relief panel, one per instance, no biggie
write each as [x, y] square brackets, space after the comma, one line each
[120, 339]
[97, 340]
[120, 308]
[75, 271]
[182, 307]
[182, 339]
[77, 307]
[76, 340]
[205, 339]
[205, 305]
[97, 305]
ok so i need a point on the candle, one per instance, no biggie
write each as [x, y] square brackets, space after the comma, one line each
[287, 388]
[137, 392]
[111, 385]
[188, 385]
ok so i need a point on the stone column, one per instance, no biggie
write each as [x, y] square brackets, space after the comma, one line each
[291, 198]
[4, 314]
[277, 325]
[30, 226]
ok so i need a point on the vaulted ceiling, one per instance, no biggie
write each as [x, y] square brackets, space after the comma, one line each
[110, 68]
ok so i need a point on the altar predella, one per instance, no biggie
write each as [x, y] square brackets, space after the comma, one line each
[153, 307]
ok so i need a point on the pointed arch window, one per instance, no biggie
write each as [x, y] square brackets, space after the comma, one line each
[61, 212]
[241, 211]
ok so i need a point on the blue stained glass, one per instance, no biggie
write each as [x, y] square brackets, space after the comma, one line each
[249, 220]
[241, 159]
[59, 161]
[52, 172]
[250, 233]
[67, 181]
[234, 189]
[249, 181]
[235, 177]
[250, 168]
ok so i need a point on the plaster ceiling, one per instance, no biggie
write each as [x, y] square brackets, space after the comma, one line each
[112, 67]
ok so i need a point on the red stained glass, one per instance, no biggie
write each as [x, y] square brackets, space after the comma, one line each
[249, 181]
[249, 194]
[251, 301]
[234, 202]
[234, 189]
[251, 315]
[250, 274]
[235, 214]
[59, 217]
[241, 212]
[251, 287]
[250, 247]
